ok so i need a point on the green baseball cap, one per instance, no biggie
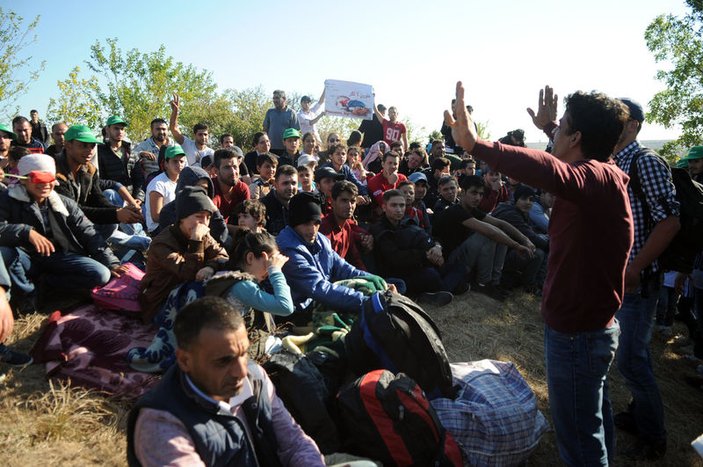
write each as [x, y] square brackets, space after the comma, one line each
[696, 152]
[174, 151]
[114, 120]
[80, 133]
[7, 130]
[291, 133]
[681, 163]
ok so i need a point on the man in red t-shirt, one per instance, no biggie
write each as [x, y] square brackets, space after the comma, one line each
[393, 130]
[230, 191]
[345, 235]
[387, 179]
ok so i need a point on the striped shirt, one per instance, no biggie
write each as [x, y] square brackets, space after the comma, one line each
[659, 192]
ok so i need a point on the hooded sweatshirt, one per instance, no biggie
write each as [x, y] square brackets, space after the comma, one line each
[189, 177]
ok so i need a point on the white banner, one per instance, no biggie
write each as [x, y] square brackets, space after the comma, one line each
[348, 99]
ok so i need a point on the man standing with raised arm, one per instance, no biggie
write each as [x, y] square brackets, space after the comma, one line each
[586, 268]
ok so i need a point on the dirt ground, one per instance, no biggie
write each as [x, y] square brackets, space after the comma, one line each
[50, 423]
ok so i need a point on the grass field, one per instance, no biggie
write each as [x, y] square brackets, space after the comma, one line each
[46, 423]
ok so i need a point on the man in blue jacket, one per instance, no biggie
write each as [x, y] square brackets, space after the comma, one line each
[314, 266]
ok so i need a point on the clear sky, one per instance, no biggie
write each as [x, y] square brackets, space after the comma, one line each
[412, 52]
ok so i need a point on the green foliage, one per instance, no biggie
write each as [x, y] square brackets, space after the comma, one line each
[77, 103]
[15, 77]
[139, 86]
[247, 110]
[677, 43]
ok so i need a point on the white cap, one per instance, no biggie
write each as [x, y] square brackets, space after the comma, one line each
[36, 163]
[305, 159]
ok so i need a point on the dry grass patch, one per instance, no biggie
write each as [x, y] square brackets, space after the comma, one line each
[53, 424]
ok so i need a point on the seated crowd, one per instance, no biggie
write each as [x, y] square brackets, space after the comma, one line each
[280, 226]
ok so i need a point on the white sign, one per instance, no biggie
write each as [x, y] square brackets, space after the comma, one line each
[348, 99]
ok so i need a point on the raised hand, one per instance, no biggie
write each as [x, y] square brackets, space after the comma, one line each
[463, 129]
[175, 103]
[546, 108]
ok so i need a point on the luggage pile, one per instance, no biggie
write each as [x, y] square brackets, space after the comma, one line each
[387, 392]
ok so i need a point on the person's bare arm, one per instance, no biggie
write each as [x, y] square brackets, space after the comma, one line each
[494, 233]
[511, 231]
[404, 137]
[156, 203]
[173, 121]
[378, 113]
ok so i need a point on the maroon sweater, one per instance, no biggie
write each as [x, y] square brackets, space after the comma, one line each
[590, 233]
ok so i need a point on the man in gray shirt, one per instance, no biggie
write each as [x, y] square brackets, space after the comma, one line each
[277, 120]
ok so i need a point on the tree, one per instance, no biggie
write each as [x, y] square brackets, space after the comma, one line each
[77, 103]
[677, 41]
[139, 86]
[15, 73]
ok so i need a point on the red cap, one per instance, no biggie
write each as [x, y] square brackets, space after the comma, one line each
[36, 176]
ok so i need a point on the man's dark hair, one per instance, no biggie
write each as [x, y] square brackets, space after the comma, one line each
[600, 120]
[21, 119]
[446, 179]
[405, 182]
[33, 111]
[466, 162]
[392, 194]
[199, 126]
[440, 163]
[437, 141]
[390, 154]
[223, 154]
[396, 146]
[206, 312]
[285, 170]
[303, 168]
[471, 181]
[342, 186]
[382, 108]
[225, 135]
[267, 157]
[414, 145]
[157, 120]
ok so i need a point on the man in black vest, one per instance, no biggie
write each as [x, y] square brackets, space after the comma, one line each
[214, 407]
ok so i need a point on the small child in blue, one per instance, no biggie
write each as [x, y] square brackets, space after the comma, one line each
[257, 255]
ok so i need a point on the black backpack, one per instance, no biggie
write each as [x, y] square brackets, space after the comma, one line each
[688, 242]
[302, 389]
[389, 419]
[396, 334]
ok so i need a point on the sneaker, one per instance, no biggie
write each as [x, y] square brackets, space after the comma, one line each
[491, 291]
[462, 288]
[14, 358]
[436, 298]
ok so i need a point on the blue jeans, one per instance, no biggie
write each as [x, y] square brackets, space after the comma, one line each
[636, 317]
[63, 271]
[577, 367]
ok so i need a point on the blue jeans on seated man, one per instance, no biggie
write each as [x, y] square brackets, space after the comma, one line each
[577, 368]
[636, 317]
[63, 271]
[130, 236]
[482, 255]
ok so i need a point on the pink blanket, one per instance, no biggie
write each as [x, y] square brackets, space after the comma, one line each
[88, 347]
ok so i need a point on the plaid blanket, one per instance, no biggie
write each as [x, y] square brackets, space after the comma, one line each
[494, 418]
